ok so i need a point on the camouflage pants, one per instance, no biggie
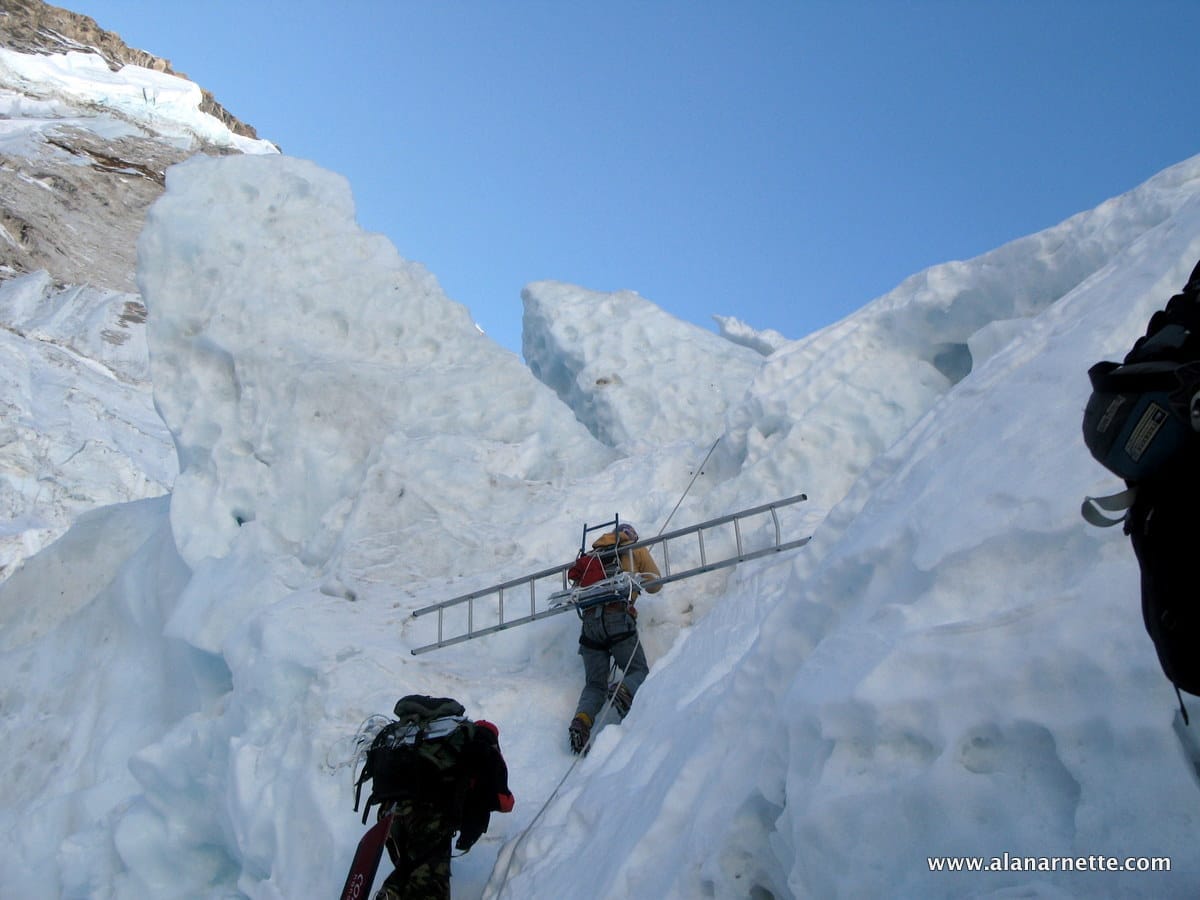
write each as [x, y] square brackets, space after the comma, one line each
[419, 846]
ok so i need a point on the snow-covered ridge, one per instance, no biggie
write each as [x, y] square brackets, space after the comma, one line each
[34, 27]
[163, 103]
[822, 408]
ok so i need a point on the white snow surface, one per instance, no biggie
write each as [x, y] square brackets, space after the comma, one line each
[78, 427]
[164, 104]
[642, 389]
[761, 341]
[955, 665]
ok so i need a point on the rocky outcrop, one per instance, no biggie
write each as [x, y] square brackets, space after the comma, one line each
[74, 184]
[31, 26]
[75, 205]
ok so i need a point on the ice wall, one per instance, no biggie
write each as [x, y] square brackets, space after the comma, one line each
[307, 372]
[634, 375]
[821, 408]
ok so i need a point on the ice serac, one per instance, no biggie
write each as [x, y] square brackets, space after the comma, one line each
[635, 375]
[822, 408]
[764, 341]
[311, 377]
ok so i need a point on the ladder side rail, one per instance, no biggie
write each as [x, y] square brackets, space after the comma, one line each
[493, 629]
[720, 520]
[545, 573]
[725, 563]
[699, 529]
[612, 525]
[488, 591]
[667, 579]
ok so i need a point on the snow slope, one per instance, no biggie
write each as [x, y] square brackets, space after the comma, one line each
[954, 666]
[77, 422]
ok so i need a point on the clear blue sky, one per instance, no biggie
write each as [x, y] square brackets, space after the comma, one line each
[783, 162]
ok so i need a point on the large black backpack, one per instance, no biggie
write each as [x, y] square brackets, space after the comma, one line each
[1143, 417]
[418, 756]
[1142, 422]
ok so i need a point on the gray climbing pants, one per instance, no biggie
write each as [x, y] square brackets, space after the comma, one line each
[608, 634]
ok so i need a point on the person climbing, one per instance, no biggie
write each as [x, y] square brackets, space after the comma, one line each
[434, 772]
[609, 632]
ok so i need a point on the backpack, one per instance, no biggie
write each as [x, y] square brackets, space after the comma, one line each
[1142, 423]
[1140, 416]
[1142, 420]
[594, 565]
[416, 756]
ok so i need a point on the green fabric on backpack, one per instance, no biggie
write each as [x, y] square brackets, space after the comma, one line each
[416, 757]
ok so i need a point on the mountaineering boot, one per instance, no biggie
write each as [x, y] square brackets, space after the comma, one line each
[579, 731]
[621, 699]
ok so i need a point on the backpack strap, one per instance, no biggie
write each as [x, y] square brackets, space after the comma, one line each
[365, 776]
[1093, 508]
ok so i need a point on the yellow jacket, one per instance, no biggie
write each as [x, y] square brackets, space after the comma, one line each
[637, 562]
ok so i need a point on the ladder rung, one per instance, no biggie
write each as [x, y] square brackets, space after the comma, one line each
[498, 590]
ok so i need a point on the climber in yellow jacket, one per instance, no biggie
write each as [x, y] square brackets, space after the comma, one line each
[609, 632]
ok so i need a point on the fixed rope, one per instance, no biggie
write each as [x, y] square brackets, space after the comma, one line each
[603, 711]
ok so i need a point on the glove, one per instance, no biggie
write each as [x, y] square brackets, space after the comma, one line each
[466, 840]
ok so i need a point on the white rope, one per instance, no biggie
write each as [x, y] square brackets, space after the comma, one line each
[607, 704]
[554, 793]
[695, 475]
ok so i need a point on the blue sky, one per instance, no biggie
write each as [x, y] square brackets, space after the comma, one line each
[781, 162]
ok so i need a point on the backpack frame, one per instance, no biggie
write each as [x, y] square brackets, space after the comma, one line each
[596, 564]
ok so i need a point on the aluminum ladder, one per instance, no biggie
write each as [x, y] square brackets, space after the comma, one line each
[740, 536]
